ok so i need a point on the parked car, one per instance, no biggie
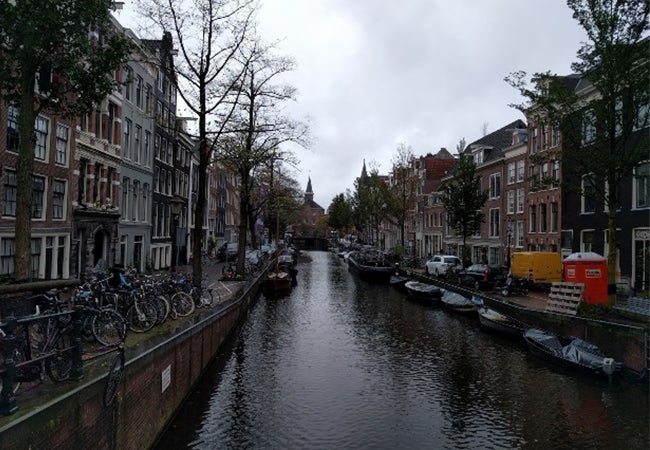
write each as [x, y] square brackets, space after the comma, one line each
[438, 264]
[482, 276]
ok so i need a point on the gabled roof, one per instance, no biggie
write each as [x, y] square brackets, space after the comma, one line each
[494, 143]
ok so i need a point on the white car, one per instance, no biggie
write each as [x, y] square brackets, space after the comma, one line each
[438, 264]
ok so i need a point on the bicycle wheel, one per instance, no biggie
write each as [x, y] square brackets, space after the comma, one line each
[143, 318]
[59, 365]
[183, 304]
[108, 327]
[113, 378]
[162, 307]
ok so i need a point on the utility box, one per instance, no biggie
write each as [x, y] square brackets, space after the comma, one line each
[539, 268]
[591, 269]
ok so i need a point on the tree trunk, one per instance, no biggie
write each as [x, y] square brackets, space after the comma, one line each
[24, 178]
[197, 244]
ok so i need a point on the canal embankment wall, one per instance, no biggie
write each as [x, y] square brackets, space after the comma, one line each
[160, 372]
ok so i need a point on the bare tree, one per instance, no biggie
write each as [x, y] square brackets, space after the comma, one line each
[209, 69]
[259, 125]
[403, 189]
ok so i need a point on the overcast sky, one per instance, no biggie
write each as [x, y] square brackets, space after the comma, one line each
[372, 74]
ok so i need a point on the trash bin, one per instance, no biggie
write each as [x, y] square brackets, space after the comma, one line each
[591, 269]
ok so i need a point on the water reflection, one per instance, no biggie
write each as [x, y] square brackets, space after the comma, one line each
[341, 363]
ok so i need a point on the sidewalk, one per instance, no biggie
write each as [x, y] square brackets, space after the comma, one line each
[212, 274]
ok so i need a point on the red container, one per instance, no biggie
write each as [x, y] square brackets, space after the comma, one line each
[591, 269]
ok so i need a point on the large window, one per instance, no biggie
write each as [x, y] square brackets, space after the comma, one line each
[126, 145]
[124, 206]
[9, 195]
[511, 202]
[586, 240]
[519, 239]
[588, 127]
[147, 148]
[533, 140]
[495, 185]
[532, 218]
[554, 217]
[62, 138]
[7, 253]
[138, 91]
[128, 83]
[495, 221]
[58, 199]
[542, 218]
[137, 148]
[13, 139]
[588, 195]
[545, 136]
[38, 197]
[41, 126]
[521, 171]
[511, 173]
[641, 193]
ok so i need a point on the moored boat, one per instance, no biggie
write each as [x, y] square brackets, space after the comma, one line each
[398, 282]
[277, 281]
[371, 266]
[495, 321]
[573, 353]
[423, 292]
[458, 303]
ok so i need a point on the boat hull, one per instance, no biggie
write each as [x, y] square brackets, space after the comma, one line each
[457, 303]
[494, 321]
[374, 274]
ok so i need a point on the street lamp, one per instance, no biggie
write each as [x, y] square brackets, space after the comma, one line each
[177, 208]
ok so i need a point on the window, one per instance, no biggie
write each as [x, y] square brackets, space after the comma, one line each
[588, 195]
[555, 136]
[588, 127]
[38, 197]
[147, 99]
[138, 91]
[521, 172]
[533, 140]
[511, 173]
[62, 137]
[542, 218]
[36, 256]
[125, 198]
[134, 205]
[586, 240]
[554, 217]
[9, 196]
[532, 218]
[545, 136]
[511, 202]
[138, 144]
[495, 221]
[555, 174]
[7, 253]
[495, 185]
[41, 126]
[493, 255]
[126, 145]
[147, 148]
[519, 238]
[128, 83]
[13, 136]
[643, 113]
[144, 203]
[58, 199]
[156, 146]
[641, 194]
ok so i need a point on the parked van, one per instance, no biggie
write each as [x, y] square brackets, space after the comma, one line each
[539, 268]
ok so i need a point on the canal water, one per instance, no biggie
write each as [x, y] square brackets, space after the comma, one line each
[343, 364]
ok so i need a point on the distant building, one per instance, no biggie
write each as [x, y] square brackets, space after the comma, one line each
[312, 211]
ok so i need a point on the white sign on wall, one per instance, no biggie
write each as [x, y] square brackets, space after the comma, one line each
[166, 378]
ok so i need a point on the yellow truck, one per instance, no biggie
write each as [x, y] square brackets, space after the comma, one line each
[539, 268]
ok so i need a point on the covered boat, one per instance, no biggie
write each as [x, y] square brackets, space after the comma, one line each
[458, 303]
[423, 292]
[573, 353]
[398, 282]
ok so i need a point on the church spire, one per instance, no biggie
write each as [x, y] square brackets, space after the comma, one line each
[309, 191]
[364, 174]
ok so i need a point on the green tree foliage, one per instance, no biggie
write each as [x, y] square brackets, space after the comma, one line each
[604, 122]
[56, 56]
[371, 204]
[341, 213]
[403, 188]
[463, 200]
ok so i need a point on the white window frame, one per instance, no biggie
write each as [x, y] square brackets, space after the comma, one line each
[41, 133]
[641, 184]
